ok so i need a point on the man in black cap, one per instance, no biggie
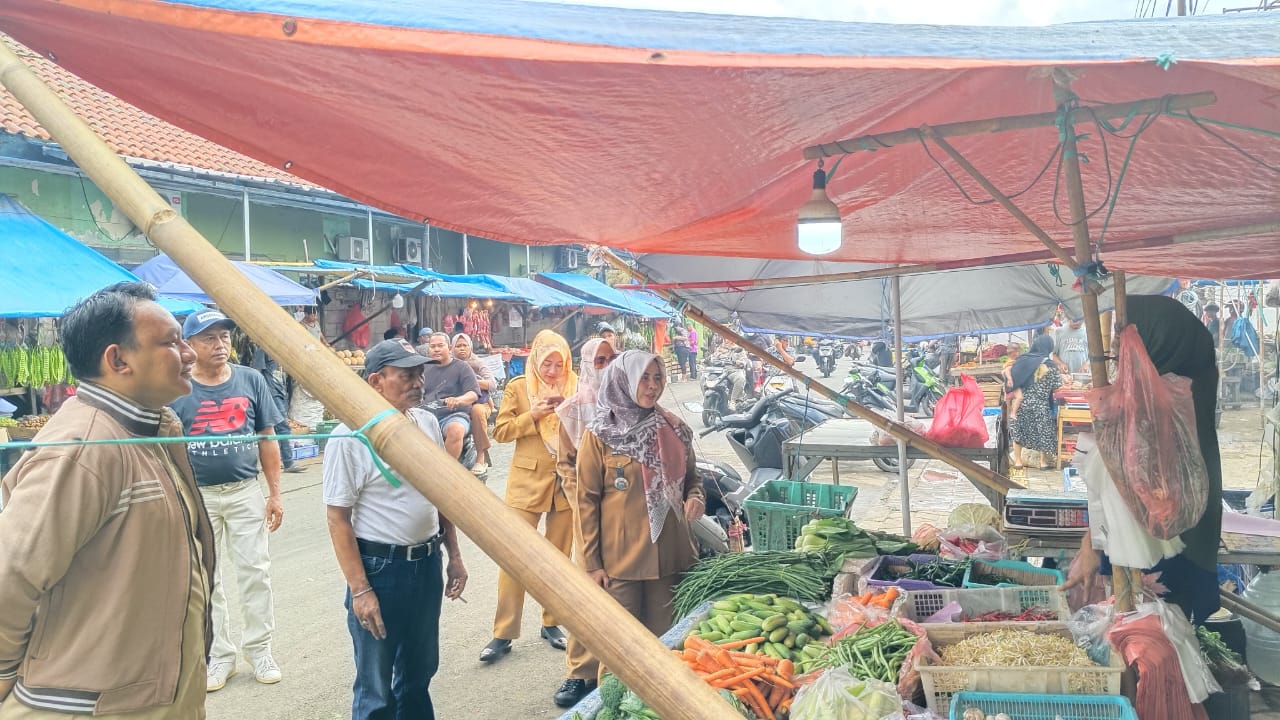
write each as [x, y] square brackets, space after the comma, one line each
[388, 541]
[227, 401]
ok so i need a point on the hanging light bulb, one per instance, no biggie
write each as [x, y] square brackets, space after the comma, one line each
[818, 224]
[397, 302]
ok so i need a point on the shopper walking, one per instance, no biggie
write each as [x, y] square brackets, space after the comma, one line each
[576, 413]
[527, 418]
[106, 553]
[227, 401]
[388, 541]
[692, 338]
[638, 491]
[1030, 383]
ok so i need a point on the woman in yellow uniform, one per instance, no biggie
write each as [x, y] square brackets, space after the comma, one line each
[528, 418]
[576, 414]
[637, 491]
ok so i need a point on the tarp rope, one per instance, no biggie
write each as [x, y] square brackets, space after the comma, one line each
[358, 435]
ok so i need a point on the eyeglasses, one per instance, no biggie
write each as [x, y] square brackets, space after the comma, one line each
[603, 360]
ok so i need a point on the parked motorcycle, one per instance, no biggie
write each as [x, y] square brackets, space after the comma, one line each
[717, 390]
[826, 356]
[469, 456]
[920, 396]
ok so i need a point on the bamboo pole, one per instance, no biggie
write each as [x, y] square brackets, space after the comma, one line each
[900, 394]
[1127, 582]
[616, 637]
[1008, 259]
[1005, 202]
[970, 469]
[1012, 122]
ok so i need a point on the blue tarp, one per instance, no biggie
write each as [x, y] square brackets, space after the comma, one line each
[44, 271]
[165, 274]
[543, 296]
[443, 289]
[596, 291]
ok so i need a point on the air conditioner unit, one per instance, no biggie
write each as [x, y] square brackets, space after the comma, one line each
[409, 250]
[353, 249]
[569, 258]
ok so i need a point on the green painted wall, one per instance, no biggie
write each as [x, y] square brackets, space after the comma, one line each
[77, 207]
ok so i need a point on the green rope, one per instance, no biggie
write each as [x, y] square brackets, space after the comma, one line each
[1221, 123]
[170, 440]
[1115, 196]
[1166, 61]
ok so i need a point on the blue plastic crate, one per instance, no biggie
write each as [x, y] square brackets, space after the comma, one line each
[1044, 707]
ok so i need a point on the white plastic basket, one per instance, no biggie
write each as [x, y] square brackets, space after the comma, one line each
[919, 605]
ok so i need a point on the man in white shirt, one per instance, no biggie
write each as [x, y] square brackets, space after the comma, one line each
[388, 540]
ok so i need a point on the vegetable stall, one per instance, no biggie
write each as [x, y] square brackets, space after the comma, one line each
[860, 625]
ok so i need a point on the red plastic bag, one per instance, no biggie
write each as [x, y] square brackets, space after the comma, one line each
[1145, 427]
[957, 420]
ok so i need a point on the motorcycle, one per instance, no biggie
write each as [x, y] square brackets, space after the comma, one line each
[826, 357]
[861, 390]
[717, 389]
[756, 437]
[920, 396]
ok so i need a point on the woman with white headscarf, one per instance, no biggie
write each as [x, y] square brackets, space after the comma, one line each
[576, 413]
[528, 418]
[637, 491]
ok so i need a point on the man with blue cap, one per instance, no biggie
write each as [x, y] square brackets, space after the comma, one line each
[227, 401]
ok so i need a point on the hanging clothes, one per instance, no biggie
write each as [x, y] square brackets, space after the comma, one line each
[355, 316]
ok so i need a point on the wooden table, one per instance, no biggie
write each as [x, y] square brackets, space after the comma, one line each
[850, 439]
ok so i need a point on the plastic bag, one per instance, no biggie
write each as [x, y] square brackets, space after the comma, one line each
[847, 611]
[957, 420]
[971, 541]
[838, 695]
[1089, 627]
[1195, 671]
[1146, 431]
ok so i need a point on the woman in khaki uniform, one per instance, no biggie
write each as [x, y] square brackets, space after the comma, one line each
[527, 417]
[637, 491]
[576, 413]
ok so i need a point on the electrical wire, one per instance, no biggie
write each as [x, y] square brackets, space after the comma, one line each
[988, 201]
[1249, 156]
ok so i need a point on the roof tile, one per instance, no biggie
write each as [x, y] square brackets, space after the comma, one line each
[127, 130]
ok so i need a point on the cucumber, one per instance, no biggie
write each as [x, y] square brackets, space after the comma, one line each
[784, 653]
[713, 636]
[752, 649]
[749, 619]
[704, 627]
[743, 635]
[803, 640]
[757, 605]
[822, 623]
[813, 650]
[789, 641]
[800, 626]
[790, 604]
[726, 605]
[745, 627]
[770, 650]
[774, 622]
[721, 623]
[777, 636]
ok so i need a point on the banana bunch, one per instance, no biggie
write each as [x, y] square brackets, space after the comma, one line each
[35, 367]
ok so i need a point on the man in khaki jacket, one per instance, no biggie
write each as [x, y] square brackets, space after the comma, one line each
[106, 548]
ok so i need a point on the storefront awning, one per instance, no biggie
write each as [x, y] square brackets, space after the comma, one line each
[170, 280]
[596, 291]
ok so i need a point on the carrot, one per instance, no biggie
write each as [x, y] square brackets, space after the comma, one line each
[786, 669]
[721, 656]
[695, 642]
[753, 657]
[707, 661]
[736, 644]
[776, 694]
[744, 695]
[738, 679]
[785, 705]
[777, 680]
[720, 674]
[766, 711]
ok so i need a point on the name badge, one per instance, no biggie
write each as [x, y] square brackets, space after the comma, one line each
[620, 479]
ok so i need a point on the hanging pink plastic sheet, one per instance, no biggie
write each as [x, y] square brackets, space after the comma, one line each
[1146, 431]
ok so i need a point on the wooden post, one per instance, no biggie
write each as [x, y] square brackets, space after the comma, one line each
[900, 394]
[970, 469]
[612, 634]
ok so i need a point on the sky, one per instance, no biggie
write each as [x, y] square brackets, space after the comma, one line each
[929, 12]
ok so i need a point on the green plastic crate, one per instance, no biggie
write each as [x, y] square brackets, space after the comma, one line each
[778, 509]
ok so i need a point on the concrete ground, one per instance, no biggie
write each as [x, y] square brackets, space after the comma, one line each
[314, 650]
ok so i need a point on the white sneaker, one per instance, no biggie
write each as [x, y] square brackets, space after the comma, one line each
[218, 673]
[479, 468]
[266, 671]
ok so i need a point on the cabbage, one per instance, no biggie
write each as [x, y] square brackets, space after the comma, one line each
[974, 514]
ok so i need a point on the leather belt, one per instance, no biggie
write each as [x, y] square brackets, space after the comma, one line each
[399, 552]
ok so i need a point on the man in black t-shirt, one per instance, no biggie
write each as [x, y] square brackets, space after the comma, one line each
[227, 401]
[449, 389]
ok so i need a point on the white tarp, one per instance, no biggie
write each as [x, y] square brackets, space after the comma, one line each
[990, 299]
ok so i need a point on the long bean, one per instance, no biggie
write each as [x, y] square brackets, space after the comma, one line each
[800, 576]
[886, 647]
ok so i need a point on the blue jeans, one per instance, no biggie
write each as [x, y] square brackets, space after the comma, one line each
[393, 676]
